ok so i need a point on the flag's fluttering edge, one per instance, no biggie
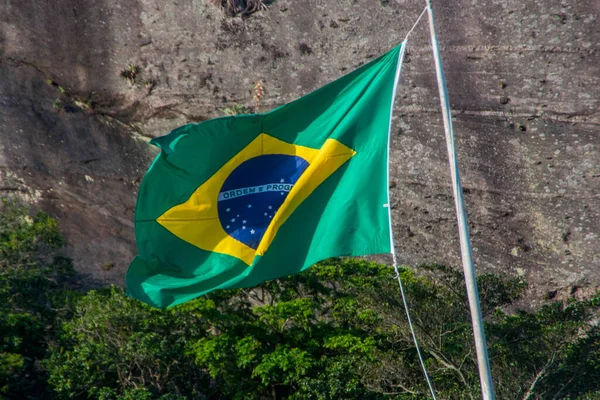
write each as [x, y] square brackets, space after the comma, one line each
[234, 201]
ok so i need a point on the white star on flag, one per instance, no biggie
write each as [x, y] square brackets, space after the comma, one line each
[252, 231]
[243, 227]
[270, 207]
[244, 221]
[249, 205]
[229, 209]
[232, 219]
[281, 180]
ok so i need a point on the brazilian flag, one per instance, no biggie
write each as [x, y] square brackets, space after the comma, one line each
[235, 201]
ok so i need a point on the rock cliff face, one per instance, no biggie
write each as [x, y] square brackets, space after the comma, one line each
[85, 83]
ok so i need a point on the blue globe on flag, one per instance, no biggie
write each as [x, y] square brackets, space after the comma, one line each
[254, 191]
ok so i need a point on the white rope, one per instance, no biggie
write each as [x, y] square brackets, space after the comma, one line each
[389, 207]
[416, 23]
[412, 329]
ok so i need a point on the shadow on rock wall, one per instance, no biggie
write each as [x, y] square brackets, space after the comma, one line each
[77, 164]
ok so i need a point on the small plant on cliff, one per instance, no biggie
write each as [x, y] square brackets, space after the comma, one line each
[57, 104]
[149, 84]
[259, 92]
[243, 7]
[130, 73]
[236, 109]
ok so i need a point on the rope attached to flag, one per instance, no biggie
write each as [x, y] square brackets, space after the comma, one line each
[389, 207]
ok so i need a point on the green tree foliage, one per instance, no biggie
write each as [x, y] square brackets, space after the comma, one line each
[32, 275]
[551, 354]
[118, 348]
[336, 331]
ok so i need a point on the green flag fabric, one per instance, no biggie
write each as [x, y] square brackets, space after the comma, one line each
[235, 201]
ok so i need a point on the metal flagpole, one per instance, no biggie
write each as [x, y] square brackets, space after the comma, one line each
[485, 375]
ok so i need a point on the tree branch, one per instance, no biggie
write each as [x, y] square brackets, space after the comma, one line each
[538, 377]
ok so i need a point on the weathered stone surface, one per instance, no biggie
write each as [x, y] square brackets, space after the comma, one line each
[523, 79]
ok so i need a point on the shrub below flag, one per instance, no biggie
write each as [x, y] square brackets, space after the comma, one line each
[234, 201]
